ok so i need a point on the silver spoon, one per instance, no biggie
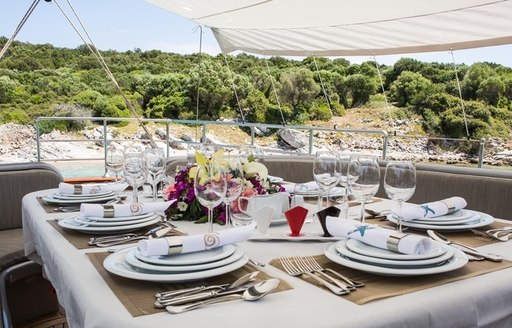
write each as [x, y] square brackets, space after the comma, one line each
[250, 294]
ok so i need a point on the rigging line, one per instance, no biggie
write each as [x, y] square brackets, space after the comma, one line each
[200, 27]
[94, 50]
[327, 98]
[18, 28]
[275, 92]
[234, 87]
[388, 108]
[460, 93]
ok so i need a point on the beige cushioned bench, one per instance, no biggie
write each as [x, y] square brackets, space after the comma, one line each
[485, 190]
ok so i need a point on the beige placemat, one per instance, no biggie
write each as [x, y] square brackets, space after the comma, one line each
[138, 296]
[80, 240]
[49, 208]
[378, 287]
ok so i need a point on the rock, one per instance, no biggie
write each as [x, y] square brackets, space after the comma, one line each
[293, 138]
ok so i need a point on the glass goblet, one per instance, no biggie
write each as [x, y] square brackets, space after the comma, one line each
[365, 172]
[326, 173]
[233, 171]
[210, 188]
[114, 156]
[154, 162]
[400, 184]
[133, 168]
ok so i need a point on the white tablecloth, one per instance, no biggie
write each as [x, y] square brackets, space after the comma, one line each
[483, 301]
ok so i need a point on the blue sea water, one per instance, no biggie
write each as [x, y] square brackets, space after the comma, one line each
[80, 169]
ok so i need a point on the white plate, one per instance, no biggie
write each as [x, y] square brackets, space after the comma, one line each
[116, 263]
[85, 222]
[463, 216]
[195, 258]
[285, 236]
[118, 219]
[458, 260]
[273, 179]
[359, 247]
[70, 223]
[84, 196]
[134, 261]
[247, 219]
[483, 220]
[52, 200]
[336, 191]
[342, 248]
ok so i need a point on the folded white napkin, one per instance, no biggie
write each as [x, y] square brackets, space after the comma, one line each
[195, 243]
[89, 189]
[300, 187]
[431, 210]
[120, 210]
[378, 237]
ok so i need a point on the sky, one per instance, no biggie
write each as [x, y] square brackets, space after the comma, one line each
[130, 24]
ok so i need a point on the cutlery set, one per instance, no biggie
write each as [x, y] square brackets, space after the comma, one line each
[501, 234]
[113, 240]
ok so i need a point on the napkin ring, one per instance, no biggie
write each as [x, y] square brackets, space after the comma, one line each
[108, 211]
[77, 189]
[450, 205]
[175, 246]
[393, 240]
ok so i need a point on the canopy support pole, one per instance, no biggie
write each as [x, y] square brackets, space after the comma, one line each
[460, 93]
[199, 81]
[275, 92]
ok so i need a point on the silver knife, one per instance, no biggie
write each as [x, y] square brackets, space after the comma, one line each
[199, 296]
[465, 248]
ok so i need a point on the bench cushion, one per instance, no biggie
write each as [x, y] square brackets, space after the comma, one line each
[11, 250]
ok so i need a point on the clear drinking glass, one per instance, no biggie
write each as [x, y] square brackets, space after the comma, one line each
[400, 184]
[133, 165]
[154, 161]
[233, 171]
[326, 173]
[365, 172]
[210, 188]
[345, 180]
[114, 157]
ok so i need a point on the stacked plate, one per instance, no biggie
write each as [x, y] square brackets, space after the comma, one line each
[71, 199]
[100, 225]
[459, 220]
[130, 263]
[357, 255]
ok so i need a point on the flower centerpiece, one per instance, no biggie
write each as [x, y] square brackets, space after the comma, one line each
[187, 207]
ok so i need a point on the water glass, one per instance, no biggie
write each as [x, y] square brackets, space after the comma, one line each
[133, 166]
[210, 188]
[364, 170]
[400, 184]
[114, 157]
[232, 167]
[326, 173]
[154, 161]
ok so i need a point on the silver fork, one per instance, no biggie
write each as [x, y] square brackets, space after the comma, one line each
[501, 235]
[293, 270]
[313, 262]
[308, 263]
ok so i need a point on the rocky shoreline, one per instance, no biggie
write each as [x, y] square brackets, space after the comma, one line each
[18, 144]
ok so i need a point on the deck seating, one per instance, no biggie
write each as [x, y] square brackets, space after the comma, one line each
[21, 280]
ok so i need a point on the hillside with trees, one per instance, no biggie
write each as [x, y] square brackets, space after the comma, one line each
[43, 80]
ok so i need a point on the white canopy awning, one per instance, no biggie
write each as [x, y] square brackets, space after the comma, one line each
[349, 27]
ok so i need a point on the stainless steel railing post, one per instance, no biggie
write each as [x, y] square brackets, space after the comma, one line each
[481, 151]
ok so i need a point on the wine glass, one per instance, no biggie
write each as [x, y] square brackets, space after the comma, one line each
[154, 162]
[233, 171]
[210, 188]
[326, 173]
[400, 184]
[114, 157]
[345, 180]
[133, 164]
[365, 172]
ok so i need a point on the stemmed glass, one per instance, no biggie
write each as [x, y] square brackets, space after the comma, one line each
[365, 172]
[326, 173]
[346, 179]
[133, 165]
[114, 159]
[210, 188]
[400, 184]
[154, 162]
[233, 171]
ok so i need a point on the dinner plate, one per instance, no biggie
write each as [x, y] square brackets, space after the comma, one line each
[274, 179]
[84, 221]
[342, 248]
[359, 247]
[336, 191]
[242, 217]
[70, 223]
[457, 261]
[195, 258]
[116, 263]
[116, 219]
[462, 216]
[83, 196]
[52, 200]
[483, 220]
[134, 261]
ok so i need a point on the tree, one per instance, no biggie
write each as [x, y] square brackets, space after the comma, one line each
[475, 75]
[409, 89]
[298, 87]
[7, 89]
[491, 89]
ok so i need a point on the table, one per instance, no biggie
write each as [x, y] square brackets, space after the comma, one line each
[482, 301]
